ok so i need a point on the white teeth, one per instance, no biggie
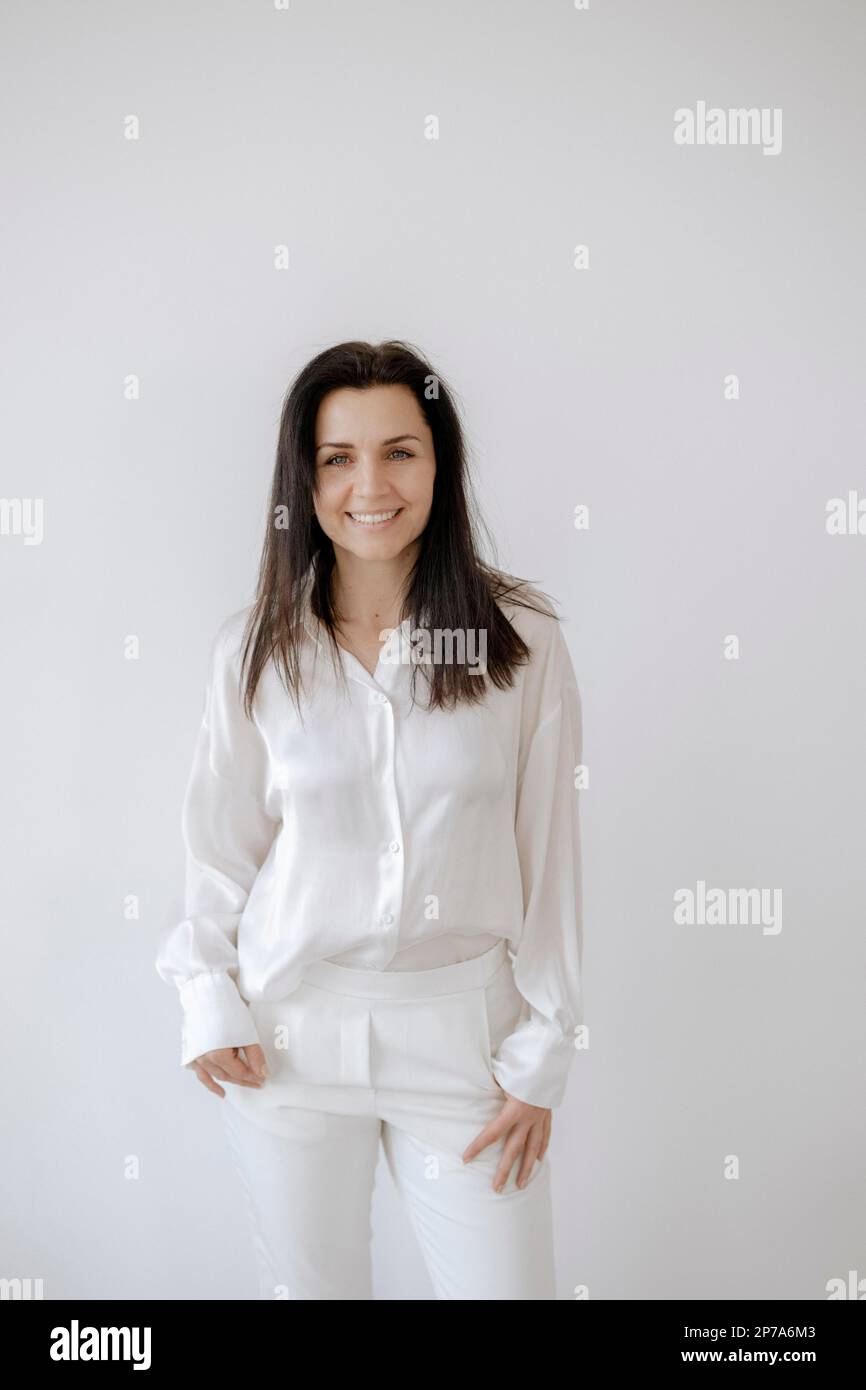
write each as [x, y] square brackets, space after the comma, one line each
[372, 518]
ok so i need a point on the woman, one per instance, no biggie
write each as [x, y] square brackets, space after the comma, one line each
[381, 811]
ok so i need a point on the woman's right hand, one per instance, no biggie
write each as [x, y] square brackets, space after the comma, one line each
[226, 1065]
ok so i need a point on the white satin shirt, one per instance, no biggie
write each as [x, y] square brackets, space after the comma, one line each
[385, 837]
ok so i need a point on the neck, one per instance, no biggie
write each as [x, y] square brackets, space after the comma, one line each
[369, 593]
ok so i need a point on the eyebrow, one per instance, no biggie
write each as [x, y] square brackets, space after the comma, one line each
[344, 445]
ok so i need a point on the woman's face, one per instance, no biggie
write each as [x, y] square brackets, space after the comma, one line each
[375, 467]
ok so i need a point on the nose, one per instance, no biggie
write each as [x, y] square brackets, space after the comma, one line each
[370, 482]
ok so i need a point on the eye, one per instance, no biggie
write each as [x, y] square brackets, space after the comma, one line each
[342, 460]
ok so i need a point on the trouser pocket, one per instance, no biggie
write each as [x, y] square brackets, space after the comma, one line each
[302, 1035]
[451, 1040]
[503, 1007]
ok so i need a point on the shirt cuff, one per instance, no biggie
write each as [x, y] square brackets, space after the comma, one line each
[532, 1063]
[214, 1016]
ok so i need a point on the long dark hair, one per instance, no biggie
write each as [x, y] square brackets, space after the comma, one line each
[451, 587]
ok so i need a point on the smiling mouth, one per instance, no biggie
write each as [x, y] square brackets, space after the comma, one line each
[373, 521]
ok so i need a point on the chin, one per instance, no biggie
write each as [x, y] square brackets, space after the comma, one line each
[350, 534]
[384, 548]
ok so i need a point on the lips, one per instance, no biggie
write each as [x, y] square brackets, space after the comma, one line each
[374, 520]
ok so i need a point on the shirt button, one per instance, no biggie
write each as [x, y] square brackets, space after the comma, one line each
[387, 918]
[394, 847]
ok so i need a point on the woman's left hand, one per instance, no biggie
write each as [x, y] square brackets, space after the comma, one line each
[526, 1129]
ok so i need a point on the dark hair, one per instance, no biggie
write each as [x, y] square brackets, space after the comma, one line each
[451, 586]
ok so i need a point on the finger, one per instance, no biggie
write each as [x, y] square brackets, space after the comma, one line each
[255, 1058]
[514, 1145]
[236, 1070]
[530, 1154]
[206, 1080]
[220, 1073]
[545, 1134]
[489, 1134]
[546, 1139]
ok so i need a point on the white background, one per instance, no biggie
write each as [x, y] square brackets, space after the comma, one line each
[603, 386]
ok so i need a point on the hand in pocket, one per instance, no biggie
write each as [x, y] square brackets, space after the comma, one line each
[226, 1064]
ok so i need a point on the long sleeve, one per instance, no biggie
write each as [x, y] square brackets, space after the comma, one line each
[227, 833]
[533, 1062]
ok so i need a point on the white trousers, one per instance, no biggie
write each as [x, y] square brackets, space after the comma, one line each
[358, 1056]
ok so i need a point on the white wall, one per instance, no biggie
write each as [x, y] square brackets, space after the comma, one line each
[604, 386]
